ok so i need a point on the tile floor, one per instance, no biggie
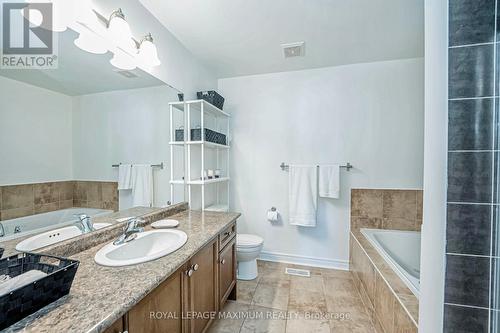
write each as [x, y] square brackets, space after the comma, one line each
[278, 303]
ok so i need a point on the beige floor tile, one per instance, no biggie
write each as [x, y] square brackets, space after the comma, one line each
[302, 325]
[272, 294]
[264, 320]
[246, 290]
[350, 307]
[231, 318]
[274, 273]
[303, 301]
[336, 273]
[352, 326]
[312, 283]
[339, 287]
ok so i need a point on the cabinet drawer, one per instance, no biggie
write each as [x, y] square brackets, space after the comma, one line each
[226, 235]
[227, 271]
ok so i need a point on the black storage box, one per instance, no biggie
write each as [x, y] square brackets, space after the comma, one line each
[179, 134]
[211, 97]
[210, 136]
[30, 298]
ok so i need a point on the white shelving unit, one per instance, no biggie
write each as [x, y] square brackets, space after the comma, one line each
[214, 118]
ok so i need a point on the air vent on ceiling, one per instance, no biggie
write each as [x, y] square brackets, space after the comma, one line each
[291, 50]
[128, 74]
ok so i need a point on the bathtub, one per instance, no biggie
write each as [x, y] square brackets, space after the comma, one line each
[401, 249]
[24, 226]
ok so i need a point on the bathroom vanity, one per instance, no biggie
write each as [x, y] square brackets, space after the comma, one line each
[180, 292]
[190, 298]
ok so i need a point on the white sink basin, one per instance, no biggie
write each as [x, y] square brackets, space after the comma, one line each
[52, 237]
[149, 245]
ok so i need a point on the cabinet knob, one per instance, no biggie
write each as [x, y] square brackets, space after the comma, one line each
[195, 267]
[223, 261]
[189, 272]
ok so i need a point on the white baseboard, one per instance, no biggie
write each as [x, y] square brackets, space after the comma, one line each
[305, 261]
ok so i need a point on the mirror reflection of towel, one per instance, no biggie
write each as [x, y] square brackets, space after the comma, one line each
[124, 176]
[142, 185]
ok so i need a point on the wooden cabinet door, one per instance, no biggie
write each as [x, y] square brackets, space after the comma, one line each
[161, 310]
[202, 288]
[227, 272]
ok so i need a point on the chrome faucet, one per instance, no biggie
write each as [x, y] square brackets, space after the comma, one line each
[84, 223]
[2, 231]
[129, 232]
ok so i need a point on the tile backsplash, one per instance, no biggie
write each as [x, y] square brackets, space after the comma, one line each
[28, 199]
[386, 209]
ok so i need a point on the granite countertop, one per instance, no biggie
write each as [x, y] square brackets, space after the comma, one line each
[101, 295]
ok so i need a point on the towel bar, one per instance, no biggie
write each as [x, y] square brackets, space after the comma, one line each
[285, 167]
[152, 165]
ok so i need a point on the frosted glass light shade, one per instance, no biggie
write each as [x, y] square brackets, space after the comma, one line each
[123, 61]
[148, 54]
[91, 43]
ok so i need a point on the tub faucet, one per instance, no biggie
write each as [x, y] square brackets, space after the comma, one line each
[84, 223]
[129, 232]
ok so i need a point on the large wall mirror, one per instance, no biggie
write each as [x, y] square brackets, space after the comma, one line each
[64, 131]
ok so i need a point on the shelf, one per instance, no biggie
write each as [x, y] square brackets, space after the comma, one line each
[207, 144]
[217, 208]
[196, 106]
[208, 181]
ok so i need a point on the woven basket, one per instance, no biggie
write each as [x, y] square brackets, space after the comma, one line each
[211, 97]
[30, 298]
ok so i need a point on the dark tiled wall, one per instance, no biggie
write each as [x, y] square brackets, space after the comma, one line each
[386, 209]
[23, 200]
[472, 283]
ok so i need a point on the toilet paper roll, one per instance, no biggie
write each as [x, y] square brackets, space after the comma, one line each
[272, 216]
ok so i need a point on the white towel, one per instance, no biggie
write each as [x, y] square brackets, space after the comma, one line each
[8, 285]
[124, 176]
[142, 185]
[329, 181]
[303, 187]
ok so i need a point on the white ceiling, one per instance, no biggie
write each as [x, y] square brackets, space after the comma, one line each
[243, 37]
[80, 73]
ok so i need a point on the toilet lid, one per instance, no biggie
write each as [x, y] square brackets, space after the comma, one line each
[247, 240]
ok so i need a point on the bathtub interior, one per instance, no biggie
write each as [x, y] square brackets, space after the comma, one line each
[401, 249]
[29, 225]
[404, 248]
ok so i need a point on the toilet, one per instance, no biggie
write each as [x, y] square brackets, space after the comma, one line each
[248, 248]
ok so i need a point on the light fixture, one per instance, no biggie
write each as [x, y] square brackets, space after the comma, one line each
[123, 61]
[119, 31]
[148, 54]
[91, 43]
